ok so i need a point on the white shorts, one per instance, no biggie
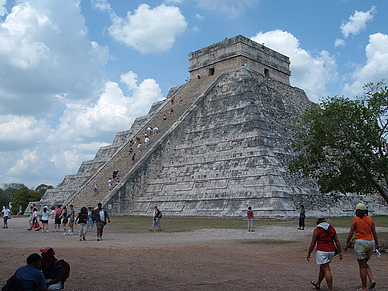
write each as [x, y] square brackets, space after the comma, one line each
[324, 257]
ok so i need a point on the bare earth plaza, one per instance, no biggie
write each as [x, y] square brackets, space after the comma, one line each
[191, 255]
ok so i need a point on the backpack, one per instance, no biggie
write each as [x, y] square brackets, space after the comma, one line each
[13, 284]
[65, 269]
[160, 215]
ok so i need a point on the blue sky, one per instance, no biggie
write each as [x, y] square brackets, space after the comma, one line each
[74, 73]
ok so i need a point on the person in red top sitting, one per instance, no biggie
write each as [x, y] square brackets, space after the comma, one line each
[326, 239]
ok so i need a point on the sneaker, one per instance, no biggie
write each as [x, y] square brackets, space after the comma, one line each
[83, 238]
[80, 239]
[98, 239]
[63, 233]
[71, 233]
[47, 231]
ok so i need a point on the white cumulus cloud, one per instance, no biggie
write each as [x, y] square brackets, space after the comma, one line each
[357, 21]
[376, 67]
[339, 42]
[45, 58]
[149, 30]
[310, 72]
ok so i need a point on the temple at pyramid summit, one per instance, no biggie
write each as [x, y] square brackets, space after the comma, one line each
[224, 146]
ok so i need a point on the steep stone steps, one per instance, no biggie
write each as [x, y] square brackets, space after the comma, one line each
[121, 160]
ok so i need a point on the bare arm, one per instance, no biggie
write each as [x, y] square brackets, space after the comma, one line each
[338, 244]
[312, 244]
[375, 235]
[351, 231]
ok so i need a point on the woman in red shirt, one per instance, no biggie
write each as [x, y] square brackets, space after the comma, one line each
[366, 242]
[324, 236]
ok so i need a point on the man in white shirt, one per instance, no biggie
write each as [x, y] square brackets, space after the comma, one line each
[6, 212]
[100, 216]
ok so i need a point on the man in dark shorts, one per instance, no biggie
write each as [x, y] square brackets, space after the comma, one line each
[58, 217]
[100, 216]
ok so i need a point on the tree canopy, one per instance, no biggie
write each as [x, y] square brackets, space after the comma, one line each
[20, 194]
[342, 143]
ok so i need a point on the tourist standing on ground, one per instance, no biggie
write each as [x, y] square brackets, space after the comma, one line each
[156, 219]
[100, 216]
[366, 242]
[30, 275]
[324, 236]
[20, 211]
[328, 211]
[82, 219]
[52, 269]
[6, 213]
[45, 219]
[302, 216]
[58, 218]
[31, 219]
[71, 220]
[65, 219]
[90, 221]
[251, 219]
[35, 218]
[52, 212]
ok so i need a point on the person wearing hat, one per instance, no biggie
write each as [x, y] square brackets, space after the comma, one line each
[366, 242]
[326, 239]
[52, 270]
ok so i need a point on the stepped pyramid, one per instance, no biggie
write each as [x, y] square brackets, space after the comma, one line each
[226, 146]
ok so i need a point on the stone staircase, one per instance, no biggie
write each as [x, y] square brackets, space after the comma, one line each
[121, 160]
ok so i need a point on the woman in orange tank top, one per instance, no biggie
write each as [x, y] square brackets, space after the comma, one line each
[366, 242]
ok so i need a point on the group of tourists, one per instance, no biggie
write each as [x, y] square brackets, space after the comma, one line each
[64, 220]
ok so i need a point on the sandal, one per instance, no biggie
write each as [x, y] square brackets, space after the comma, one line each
[317, 287]
[372, 285]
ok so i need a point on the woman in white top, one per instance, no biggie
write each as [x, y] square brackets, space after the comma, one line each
[45, 219]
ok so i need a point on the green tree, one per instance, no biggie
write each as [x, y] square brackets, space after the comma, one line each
[23, 197]
[8, 191]
[342, 143]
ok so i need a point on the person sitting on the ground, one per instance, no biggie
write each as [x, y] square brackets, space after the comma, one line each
[30, 275]
[52, 269]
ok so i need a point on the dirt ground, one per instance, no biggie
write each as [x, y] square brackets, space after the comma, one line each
[272, 258]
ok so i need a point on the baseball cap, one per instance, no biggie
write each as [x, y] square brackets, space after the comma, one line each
[48, 250]
[360, 206]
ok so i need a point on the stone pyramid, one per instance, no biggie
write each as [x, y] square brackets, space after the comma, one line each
[226, 146]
